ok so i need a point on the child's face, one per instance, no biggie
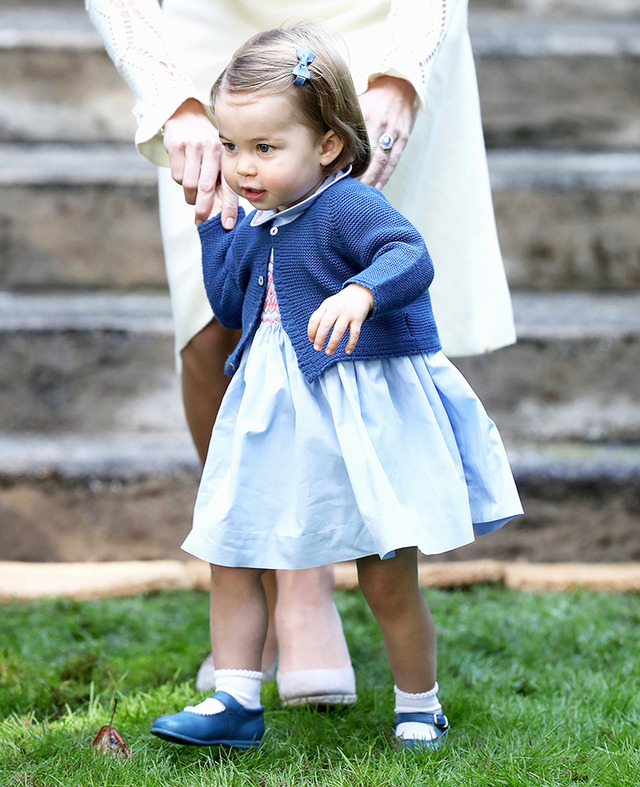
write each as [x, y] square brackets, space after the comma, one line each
[269, 156]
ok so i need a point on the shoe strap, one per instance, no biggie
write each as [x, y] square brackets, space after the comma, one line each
[233, 706]
[438, 720]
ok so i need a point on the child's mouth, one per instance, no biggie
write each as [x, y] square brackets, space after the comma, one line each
[254, 195]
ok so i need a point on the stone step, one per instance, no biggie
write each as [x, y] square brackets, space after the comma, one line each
[90, 363]
[95, 495]
[592, 9]
[127, 497]
[589, 8]
[574, 373]
[568, 220]
[564, 82]
[75, 217]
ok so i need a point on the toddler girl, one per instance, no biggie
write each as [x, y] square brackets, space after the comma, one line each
[345, 434]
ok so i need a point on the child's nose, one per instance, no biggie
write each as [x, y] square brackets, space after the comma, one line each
[246, 164]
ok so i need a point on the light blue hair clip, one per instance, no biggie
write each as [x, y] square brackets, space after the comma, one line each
[301, 72]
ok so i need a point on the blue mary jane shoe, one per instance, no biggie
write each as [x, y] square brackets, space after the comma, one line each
[438, 720]
[237, 726]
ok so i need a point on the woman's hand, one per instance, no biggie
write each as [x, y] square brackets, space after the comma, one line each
[195, 151]
[346, 310]
[387, 106]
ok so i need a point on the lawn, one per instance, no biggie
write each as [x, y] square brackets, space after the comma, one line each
[540, 690]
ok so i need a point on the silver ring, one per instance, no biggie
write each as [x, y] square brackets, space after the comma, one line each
[386, 142]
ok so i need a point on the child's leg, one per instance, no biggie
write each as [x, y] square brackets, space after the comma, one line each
[393, 594]
[238, 616]
[233, 716]
[203, 385]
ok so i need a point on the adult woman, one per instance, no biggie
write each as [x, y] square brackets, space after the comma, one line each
[413, 68]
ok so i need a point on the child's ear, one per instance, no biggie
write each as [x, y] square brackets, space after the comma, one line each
[331, 146]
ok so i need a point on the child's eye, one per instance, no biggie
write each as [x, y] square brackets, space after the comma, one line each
[264, 148]
[229, 146]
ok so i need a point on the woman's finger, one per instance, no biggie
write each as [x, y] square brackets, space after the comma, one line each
[383, 162]
[229, 201]
[176, 160]
[194, 155]
[193, 147]
[207, 183]
[388, 111]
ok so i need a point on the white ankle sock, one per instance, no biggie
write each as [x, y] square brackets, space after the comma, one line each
[424, 702]
[242, 685]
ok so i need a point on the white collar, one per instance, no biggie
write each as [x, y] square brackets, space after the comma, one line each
[292, 213]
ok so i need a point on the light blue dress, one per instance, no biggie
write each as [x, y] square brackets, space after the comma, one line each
[371, 457]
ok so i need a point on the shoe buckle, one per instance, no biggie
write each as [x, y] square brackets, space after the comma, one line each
[441, 721]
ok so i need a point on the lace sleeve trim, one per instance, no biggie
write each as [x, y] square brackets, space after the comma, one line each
[417, 29]
[132, 33]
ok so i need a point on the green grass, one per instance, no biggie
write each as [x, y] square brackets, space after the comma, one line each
[540, 690]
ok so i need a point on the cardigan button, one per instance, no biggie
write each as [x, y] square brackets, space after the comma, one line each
[261, 280]
[273, 231]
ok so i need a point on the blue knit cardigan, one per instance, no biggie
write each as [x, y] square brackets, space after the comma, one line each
[349, 233]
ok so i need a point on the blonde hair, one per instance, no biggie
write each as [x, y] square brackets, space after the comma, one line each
[328, 100]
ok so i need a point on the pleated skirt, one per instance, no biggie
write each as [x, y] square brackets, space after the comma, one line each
[371, 457]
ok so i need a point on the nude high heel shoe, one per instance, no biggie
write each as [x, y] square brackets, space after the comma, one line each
[317, 687]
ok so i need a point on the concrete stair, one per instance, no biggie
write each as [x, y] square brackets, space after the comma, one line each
[124, 497]
[527, 69]
[567, 219]
[558, 9]
[78, 217]
[95, 457]
[89, 362]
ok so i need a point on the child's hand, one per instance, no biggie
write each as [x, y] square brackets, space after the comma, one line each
[347, 309]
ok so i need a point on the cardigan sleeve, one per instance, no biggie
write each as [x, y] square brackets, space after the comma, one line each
[133, 35]
[416, 30]
[220, 269]
[394, 261]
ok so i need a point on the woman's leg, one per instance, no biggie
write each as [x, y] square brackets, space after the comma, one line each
[204, 381]
[309, 640]
[314, 667]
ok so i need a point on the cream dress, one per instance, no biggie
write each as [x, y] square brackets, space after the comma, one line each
[441, 182]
